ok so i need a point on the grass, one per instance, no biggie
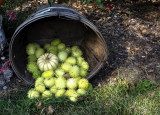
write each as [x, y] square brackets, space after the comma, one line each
[119, 98]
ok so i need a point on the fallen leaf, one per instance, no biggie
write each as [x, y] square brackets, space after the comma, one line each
[39, 105]
[112, 72]
[108, 6]
[114, 79]
[136, 49]
[50, 110]
[99, 85]
[153, 93]
[126, 95]
[124, 82]
[128, 48]
[158, 88]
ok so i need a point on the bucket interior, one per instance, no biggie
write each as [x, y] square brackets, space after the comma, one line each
[71, 32]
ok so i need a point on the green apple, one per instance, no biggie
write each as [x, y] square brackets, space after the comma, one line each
[73, 99]
[72, 83]
[60, 93]
[39, 81]
[49, 82]
[83, 83]
[66, 66]
[60, 83]
[48, 74]
[71, 93]
[46, 94]
[56, 42]
[81, 92]
[32, 94]
[40, 87]
[90, 87]
[83, 72]
[53, 89]
[61, 46]
[59, 72]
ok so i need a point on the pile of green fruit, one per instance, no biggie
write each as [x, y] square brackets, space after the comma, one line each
[58, 70]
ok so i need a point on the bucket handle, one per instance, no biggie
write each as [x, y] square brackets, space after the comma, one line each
[58, 10]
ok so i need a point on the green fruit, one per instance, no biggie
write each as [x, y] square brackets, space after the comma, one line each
[83, 72]
[33, 94]
[72, 83]
[46, 46]
[49, 82]
[39, 80]
[71, 60]
[85, 65]
[77, 79]
[40, 87]
[59, 72]
[66, 66]
[74, 71]
[56, 42]
[60, 83]
[39, 52]
[81, 92]
[74, 48]
[32, 67]
[60, 93]
[73, 99]
[61, 46]
[71, 93]
[46, 94]
[68, 50]
[30, 49]
[90, 87]
[48, 74]
[53, 52]
[54, 48]
[77, 53]
[62, 56]
[83, 83]
[36, 74]
[36, 45]
[53, 89]
[80, 60]
[32, 58]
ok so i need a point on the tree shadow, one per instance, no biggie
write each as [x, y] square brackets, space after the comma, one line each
[115, 40]
[148, 11]
[145, 11]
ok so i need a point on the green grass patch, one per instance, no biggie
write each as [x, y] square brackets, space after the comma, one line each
[118, 98]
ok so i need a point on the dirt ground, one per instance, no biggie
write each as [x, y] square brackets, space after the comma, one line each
[132, 34]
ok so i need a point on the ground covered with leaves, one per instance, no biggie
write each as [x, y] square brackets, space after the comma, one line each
[132, 34]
